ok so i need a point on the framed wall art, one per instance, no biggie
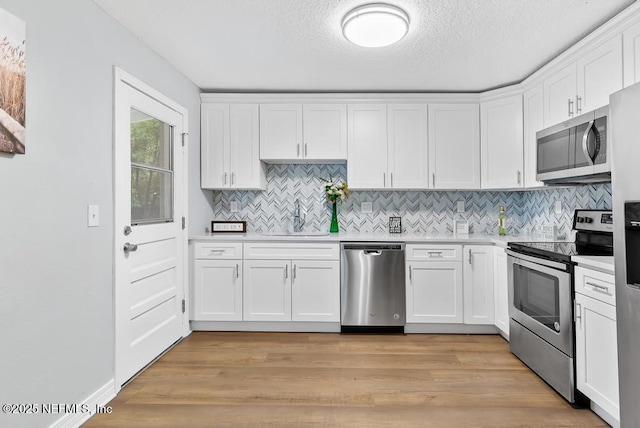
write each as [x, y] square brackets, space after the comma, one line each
[12, 83]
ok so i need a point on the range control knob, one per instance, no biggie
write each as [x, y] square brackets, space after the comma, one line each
[580, 219]
[588, 220]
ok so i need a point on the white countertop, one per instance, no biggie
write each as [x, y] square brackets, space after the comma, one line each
[472, 238]
[605, 263]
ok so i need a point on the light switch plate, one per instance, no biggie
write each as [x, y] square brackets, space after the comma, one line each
[460, 206]
[93, 216]
[234, 206]
[366, 207]
[558, 208]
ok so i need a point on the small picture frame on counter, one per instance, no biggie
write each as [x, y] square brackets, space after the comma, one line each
[227, 226]
[395, 224]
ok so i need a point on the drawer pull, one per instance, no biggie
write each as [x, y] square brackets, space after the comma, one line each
[598, 287]
[216, 251]
[435, 253]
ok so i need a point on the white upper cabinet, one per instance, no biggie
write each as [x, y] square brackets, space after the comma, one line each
[533, 122]
[408, 159]
[325, 132]
[631, 53]
[501, 143]
[230, 157]
[560, 95]
[454, 146]
[297, 132]
[584, 85]
[599, 74]
[367, 148]
[280, 131]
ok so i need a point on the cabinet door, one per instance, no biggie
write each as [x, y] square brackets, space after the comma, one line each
[501, 291]
[325, 132]
[596, 353]
[478, 284]
[217, 290]
[454, 146]
[247, 171]
[434, 292]
[214, 146]
[280, 132]
[599, 74]
[407, 152]
[315, 291]
[501, 143]
[533, 122]
[267, 290]
[367, 146]
[631, 54]
[559, 96]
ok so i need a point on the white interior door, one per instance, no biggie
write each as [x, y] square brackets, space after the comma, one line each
[149, 236]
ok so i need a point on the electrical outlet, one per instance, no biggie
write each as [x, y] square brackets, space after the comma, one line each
[460, 207]
[558, 208]
[366, 207]
[234, 206]
[93, 216]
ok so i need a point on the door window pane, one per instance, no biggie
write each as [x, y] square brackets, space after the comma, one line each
[151, 169]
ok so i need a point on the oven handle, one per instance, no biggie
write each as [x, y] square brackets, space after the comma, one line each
[538, 260]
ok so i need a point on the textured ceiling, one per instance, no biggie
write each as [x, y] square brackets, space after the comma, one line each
[297, 45]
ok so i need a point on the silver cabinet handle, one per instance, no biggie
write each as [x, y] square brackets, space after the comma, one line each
[519, 178]
[298, 150]
[384, 179]
[437, 253]
[469, 255]
[237, 271]
[306, 152]
[129, 248]
[570, 107]
[294, 272]
[410, 276]
[392, 179]
[579, 104]
[433, 179]
[216, 251]
[578, 313]
[224, 178]
[233, 177]
[286, 271]
[598, 287]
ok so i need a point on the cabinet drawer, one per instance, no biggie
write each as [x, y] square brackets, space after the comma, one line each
[218, 250]
[601, 286]
[298, 251]
[434, 253]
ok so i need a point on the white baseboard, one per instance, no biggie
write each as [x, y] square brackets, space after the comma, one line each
[100, 398]
[611, 420]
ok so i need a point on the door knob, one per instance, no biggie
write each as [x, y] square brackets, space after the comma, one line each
[129, 247]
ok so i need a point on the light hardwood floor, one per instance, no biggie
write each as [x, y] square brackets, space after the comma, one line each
[300, 380]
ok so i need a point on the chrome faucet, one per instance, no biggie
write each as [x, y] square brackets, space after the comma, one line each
[298, 219]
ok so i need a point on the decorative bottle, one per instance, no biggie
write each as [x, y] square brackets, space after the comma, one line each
[502, 222]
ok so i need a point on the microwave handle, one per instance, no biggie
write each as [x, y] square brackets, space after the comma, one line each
[585, 138]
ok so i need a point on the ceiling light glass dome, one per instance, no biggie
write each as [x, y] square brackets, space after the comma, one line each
[375, 25]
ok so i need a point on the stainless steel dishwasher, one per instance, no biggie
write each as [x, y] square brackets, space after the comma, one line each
[372, 287]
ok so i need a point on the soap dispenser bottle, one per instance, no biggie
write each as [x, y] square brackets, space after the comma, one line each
[502, 222]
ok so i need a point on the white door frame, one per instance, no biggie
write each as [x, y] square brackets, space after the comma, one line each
[123, 79]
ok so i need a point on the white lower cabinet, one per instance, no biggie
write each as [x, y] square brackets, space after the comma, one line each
[501, 291]
[218, 290]
[267, 290]
[596, 347]
[434, 284]
[478, 284]
[280, 288]
[315, 291]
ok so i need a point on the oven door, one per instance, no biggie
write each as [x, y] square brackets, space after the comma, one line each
[541, 299]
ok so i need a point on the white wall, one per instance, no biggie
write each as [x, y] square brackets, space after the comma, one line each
[56, 291]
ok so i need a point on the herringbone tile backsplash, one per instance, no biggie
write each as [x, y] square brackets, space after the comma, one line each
[430, 212]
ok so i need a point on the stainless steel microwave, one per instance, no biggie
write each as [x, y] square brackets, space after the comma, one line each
[575, 151]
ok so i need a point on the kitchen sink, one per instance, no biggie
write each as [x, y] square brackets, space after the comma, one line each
[310, 233]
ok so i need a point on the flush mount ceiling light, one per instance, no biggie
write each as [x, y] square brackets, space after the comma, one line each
[375, 25]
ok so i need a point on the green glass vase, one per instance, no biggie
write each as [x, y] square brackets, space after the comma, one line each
[334, 219]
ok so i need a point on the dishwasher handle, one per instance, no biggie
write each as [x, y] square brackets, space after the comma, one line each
[373, 247]
[372, 252]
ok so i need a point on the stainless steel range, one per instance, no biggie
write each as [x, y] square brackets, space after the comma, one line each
[541, 293]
